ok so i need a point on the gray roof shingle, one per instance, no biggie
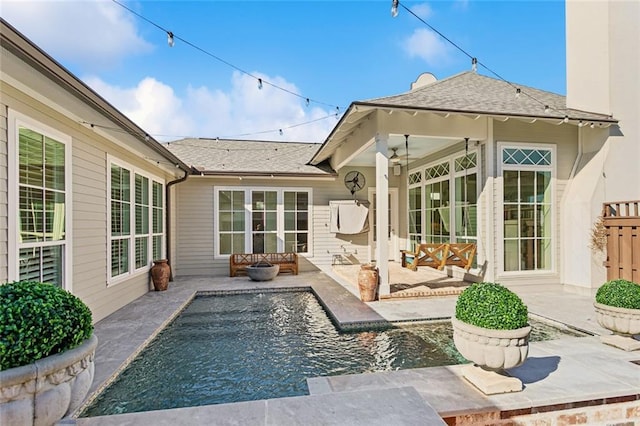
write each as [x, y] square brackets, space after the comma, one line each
[474, 93]
[248, 157]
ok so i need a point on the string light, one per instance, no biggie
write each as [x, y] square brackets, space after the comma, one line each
[566, 119]
[307, 102]
[260, 83]
[474, 64]
[281, 132]
[396, 3]
[593, 125]
[394, 8]
[171, 37]
[547, 109]
[580, 124]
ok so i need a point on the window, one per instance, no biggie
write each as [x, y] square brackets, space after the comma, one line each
[262, 220]
[40, 189]
[527, 208]
[432, 192]
[137, 214]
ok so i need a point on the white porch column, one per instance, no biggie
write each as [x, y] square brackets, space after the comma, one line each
[382, 211]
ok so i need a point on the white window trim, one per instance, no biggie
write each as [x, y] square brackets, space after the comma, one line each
[247, 210]
[15, 121]
[501, 273]
[112, 160]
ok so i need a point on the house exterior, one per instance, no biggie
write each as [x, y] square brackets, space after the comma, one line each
[84, 190]
[520, 172]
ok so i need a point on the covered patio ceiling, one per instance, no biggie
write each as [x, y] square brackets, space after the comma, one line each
[419, 146]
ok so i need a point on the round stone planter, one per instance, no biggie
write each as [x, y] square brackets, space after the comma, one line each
[263, 271]
[619, 320]
[44, 392]
[494, 350]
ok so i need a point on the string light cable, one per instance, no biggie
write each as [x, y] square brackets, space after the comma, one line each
[279, 130]
[172, 37]
[474, 61]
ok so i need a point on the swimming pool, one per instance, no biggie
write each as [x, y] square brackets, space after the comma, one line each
[254, 346]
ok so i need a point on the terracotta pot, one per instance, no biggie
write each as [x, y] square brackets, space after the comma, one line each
[368, 282]
[160, 273]
[619, 320]
[491, 349]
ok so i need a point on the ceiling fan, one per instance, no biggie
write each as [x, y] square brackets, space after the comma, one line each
[395, 157]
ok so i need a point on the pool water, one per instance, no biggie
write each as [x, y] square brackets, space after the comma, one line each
[257, 346]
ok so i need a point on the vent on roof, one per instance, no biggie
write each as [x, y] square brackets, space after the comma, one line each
[423, 79]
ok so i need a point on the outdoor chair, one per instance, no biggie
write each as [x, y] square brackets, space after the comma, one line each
[433, 255]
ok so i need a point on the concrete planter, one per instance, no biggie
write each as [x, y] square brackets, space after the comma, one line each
[44, 392]
[263, 271]
[491, 349]
[619, 320]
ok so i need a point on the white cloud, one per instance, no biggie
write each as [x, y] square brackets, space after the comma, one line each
[423, 10]
[426, 45]
[244, 112]
[95, 33]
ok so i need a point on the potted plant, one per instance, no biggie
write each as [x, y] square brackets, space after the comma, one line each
[491, 329]
[617, 307]
[46, 353]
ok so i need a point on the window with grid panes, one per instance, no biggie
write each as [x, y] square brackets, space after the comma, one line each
[527, 208]
[42, 193]
[136, 220]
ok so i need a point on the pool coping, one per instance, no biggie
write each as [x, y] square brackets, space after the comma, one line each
[335, 300]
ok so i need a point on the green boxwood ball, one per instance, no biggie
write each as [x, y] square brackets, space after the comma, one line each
[491, 305]
[38, 320]
[619, 294]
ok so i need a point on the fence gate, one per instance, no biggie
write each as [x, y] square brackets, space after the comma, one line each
[622, 225]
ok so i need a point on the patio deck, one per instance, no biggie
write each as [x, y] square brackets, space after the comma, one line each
[565, 377]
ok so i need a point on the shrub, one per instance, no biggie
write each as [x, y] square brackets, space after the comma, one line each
[38, 320]
[620, 294]
[490, 305]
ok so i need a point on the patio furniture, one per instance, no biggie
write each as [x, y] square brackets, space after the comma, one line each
[439, 255]
[238, 262]
[433, 255]
[461, 254]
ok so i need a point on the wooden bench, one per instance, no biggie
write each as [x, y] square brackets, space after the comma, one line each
[238, 262]
[439, 255]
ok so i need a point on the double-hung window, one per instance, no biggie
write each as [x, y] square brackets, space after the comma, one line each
[39, 183]
[262, 220]
[136, 220]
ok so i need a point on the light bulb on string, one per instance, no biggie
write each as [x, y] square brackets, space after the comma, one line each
[547, 109]
[474, 64]
[566, 119]
[518, 91]
[307, 101]
[394, 8]
[281, 132]
[170, 39]
[260, 83]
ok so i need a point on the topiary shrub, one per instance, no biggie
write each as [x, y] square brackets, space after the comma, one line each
[38, 320]
[490, 305]
[619, 294]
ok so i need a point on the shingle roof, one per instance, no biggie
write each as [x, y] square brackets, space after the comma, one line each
[474, 93]
[211, 156]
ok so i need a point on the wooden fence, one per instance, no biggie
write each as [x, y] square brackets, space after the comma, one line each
[622, 225]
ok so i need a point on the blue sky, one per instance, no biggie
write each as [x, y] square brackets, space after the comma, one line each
[330, 51]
